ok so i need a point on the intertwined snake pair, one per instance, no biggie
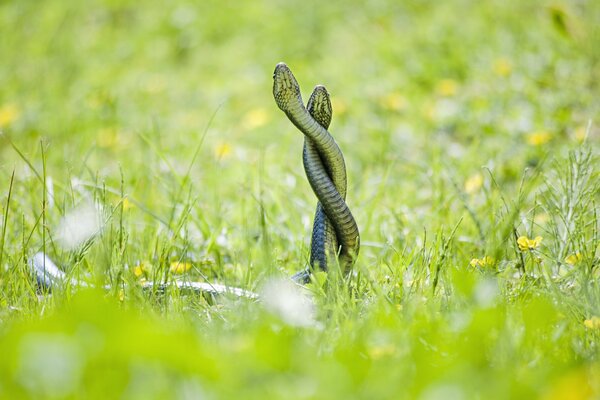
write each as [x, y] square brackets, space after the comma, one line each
[335, 232]
[325, 169]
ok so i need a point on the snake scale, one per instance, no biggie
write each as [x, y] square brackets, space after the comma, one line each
[335, 232]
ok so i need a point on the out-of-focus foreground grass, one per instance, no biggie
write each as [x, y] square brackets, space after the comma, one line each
[141, 141]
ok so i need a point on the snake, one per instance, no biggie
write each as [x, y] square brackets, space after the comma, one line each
[324, 245]
[335, 232]
[325, 169]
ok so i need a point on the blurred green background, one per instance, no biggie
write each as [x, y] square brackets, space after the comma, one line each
[461, 123]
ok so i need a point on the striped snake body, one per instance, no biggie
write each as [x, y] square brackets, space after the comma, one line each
[325, 169]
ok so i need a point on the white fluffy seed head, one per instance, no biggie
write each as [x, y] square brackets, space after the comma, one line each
[79, 225]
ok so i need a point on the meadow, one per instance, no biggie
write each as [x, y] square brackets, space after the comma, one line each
[139, 141]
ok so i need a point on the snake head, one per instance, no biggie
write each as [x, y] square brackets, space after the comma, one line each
[319, 106]
[285, 87]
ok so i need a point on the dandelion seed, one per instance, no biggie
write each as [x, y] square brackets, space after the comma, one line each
[526, 244]
[592, 323]
[502, 67]
[284, 299]
[79, 226]
[9, 113]
[573, 258]
[486, 292]
[447, 87]
[538, 138]
[52, 364]
[473, 183]
[177, 267]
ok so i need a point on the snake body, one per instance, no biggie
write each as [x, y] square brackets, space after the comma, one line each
[325, 168]
[324, 245]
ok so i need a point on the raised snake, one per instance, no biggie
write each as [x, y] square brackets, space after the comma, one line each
[325, 168]
[334, 229]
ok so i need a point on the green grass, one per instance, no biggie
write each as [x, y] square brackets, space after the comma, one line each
[465, 125]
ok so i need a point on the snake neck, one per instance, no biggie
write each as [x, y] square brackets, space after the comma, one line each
[328, 150]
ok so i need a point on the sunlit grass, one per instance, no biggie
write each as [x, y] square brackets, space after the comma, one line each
[145, 146]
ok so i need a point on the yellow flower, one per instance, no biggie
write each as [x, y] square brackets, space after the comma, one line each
[393, 102]
[483, 262]
[222, 150]
[573, 258]
[447, 87]
[474, 183]
[529, 244]
[502, 67]
[127, 204]
[8, 114]
[142, 268]
[538, 138]
[592, 323]
[255, 118]
[381, 351]
[580, 133]
[180, 267]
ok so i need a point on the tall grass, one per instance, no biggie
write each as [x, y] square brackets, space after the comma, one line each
[141, 142]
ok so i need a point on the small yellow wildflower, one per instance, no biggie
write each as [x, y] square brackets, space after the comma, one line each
[382, 351]
[121, 295]
[538, 138]
[8, 114]
[573, 258]
[447, 87]
[393, 102]
[580, 133]
[222, 150]
[592, 323]
[180, 267]
[473, 183]
[483, 262]
[502, 67]
[127, 204]
[142, 268]
[529, 244]
[255, 118]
